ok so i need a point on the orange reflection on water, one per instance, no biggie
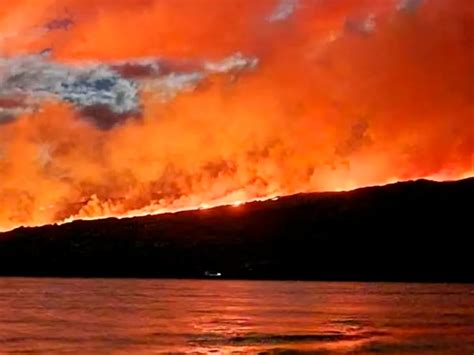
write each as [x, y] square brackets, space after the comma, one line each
[192, 316]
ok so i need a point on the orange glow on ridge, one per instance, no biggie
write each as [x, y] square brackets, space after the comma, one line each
[243, 101]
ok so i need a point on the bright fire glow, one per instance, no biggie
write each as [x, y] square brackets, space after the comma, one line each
[136, 107]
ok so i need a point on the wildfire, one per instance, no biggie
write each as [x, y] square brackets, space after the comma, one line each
[136, 107]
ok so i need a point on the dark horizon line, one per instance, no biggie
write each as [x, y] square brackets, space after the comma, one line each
[244, 203]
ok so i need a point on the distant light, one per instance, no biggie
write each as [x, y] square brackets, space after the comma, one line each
[212, 274]
[237, 204]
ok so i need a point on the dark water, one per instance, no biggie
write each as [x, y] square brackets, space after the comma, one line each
[160, 316]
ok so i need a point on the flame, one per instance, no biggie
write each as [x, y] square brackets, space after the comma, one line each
[287, 96]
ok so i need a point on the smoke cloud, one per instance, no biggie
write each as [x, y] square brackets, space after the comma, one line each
[128, 107]
[100, 90]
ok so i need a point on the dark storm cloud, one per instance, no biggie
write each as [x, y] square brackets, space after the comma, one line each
[105, 93]
[138, 69]
[89, 85]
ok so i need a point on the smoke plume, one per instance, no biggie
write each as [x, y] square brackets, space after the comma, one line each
[128, 107]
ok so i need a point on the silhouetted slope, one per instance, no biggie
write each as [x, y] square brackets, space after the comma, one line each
[406, 231]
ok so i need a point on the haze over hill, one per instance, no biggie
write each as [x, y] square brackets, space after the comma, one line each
[127, 107]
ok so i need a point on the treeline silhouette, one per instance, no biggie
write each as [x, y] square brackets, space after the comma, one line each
[410, 231]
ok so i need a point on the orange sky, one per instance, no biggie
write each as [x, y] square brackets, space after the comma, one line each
[249, 99]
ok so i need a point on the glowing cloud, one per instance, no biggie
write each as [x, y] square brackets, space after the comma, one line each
[131, 107]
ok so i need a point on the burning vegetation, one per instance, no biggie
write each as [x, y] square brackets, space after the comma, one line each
[133, 107]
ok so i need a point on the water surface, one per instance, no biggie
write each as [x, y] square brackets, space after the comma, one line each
[123, 316]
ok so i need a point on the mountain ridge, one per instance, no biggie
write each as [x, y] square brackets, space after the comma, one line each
[406, 231]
